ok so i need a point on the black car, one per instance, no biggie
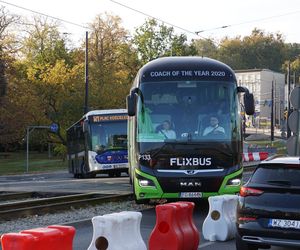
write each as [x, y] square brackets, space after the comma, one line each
[268, 211]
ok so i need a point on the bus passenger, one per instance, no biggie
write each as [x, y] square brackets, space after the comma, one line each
[165, 129]
[214, 128]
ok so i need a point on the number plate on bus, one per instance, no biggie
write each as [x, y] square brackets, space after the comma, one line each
[119, 166]
[284, 223]
[190, 195]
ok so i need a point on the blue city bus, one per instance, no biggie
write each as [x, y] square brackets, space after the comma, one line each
[97, 143]
[197, 159]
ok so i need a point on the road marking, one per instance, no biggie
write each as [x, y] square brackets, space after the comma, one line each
[206, 244]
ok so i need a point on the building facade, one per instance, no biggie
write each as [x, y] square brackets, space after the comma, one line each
[261, 82]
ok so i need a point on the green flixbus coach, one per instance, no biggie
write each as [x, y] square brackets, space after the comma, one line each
[200, 101]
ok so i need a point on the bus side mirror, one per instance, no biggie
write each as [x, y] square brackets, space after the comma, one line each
[248, 100]
[85, 126]
[249, 103]
[131, 103]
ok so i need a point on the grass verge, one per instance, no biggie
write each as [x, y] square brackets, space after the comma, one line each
[15, 163]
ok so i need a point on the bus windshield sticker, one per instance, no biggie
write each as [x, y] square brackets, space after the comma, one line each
[187, 73]
[107, 118]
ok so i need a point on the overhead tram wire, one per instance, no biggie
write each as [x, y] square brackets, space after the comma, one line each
[158, 19]
[46, 15]
[168, 23]
[85, 27]
[249, 21]
[200, 31]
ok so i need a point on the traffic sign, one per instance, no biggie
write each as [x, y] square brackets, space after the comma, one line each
[54, 127]
[295, 97]
[294, 121]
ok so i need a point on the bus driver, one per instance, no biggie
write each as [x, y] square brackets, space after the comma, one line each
[166, 130]
[214, 128]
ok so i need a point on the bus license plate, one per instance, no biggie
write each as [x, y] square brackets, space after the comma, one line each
[190, 195]
[119, 166]
[284, 223]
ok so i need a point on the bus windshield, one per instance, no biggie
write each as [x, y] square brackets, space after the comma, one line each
[188, 111]
[108, 135]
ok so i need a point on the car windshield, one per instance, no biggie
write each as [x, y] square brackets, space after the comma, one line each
[277, 174]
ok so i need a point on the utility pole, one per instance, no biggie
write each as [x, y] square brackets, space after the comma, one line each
[288, 101]
[86, 105]
[272, 113]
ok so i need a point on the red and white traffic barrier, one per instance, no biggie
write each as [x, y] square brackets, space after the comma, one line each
[219, 225]
[47, 238]
[255, 156]
[117, 231]
[175, 228]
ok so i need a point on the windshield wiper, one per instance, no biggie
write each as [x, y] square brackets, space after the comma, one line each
[280, 182]
[157, 151]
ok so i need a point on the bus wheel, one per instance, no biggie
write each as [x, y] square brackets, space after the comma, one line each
[84, 173]
[111, 174]
[118, 174]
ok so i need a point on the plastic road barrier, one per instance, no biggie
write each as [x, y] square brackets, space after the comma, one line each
[48, 238]
[117, 231]
[219, 225]
[256, 156]
[174, 229]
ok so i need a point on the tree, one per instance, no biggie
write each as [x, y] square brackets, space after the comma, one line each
[232, 52]
[259, 50]
[113, 63]
[205, 47]
[49, 76]
[293, 58]
[6, 20]
[154, 40]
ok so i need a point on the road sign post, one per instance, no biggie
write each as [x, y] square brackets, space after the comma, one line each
[53, 128]
[293, 143]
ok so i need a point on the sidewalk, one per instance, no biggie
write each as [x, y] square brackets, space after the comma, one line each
[265, 131]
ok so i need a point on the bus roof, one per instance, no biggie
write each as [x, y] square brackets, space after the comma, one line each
[185, 68]
[105, 112]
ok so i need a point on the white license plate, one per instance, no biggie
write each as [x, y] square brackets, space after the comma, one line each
[190, 195]
[119, 166]
[284, 223]
[107, 166]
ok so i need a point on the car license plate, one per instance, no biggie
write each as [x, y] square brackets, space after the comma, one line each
[284, 223]
[190, 195]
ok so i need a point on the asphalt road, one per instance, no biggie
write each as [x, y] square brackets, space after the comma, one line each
[84, 231]
[64, 182]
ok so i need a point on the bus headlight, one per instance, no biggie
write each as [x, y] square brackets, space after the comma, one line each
[143, 182]
[146, 183]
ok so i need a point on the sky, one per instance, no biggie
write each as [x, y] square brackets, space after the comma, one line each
[239, 17]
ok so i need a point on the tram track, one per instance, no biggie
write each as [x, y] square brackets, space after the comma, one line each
[41, 206]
